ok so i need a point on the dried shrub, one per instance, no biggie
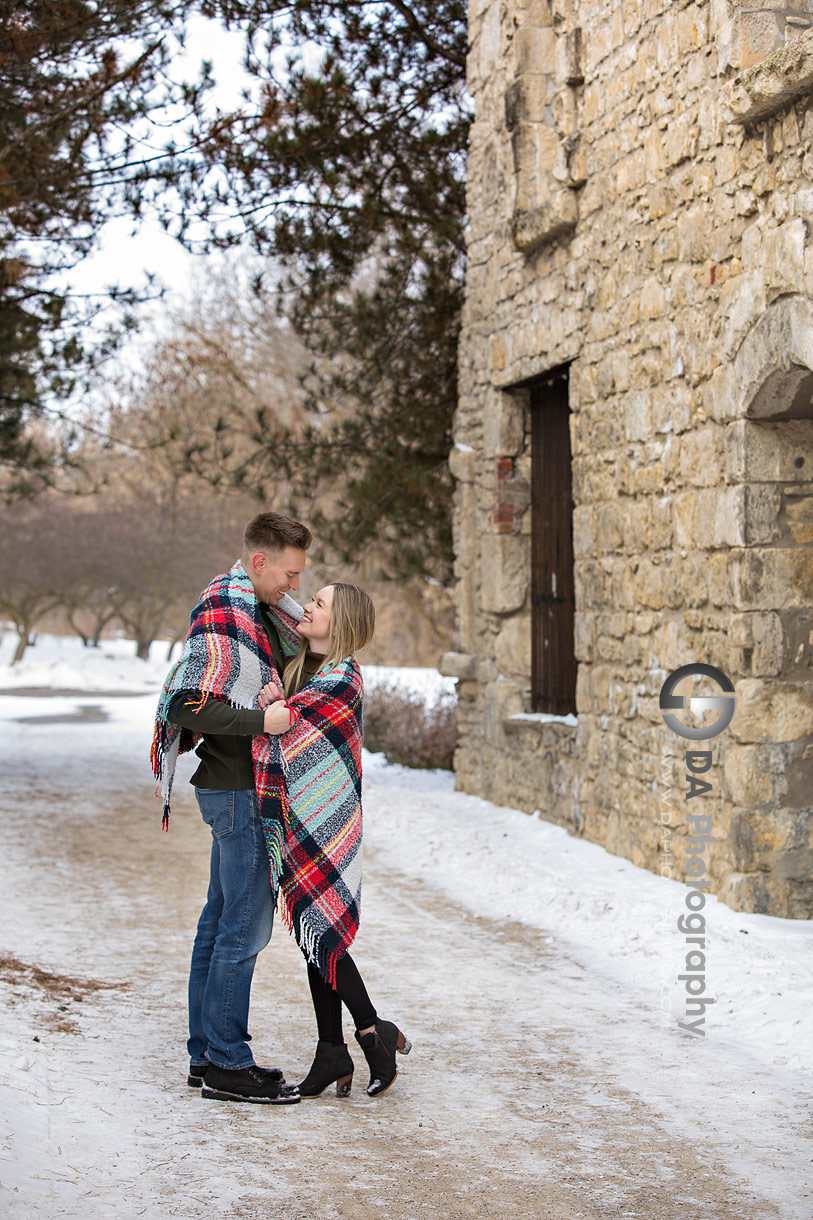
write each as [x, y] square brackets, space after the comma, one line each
[407, 730]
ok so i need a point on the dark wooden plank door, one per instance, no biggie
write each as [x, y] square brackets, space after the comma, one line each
[552, 588]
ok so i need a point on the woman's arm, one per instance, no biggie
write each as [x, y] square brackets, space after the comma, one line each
[269, 694]
[277, 718]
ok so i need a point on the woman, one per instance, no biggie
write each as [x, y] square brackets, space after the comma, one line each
[311, 764]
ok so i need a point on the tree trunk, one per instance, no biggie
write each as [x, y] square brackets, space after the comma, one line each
[143, 649]
[83, 636]
[22, 643]
[101, 622]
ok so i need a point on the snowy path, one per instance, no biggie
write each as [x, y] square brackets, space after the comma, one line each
[543, 1081]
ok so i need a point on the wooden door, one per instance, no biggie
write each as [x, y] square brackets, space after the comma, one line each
[552, 588]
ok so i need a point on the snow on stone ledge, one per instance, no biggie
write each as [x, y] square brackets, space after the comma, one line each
[542, 718]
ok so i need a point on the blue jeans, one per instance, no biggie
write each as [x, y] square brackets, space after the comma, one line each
[234, 926]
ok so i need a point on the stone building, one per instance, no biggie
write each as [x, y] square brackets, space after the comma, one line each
[634, 455]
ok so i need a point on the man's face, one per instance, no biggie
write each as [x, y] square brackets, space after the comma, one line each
[276, 572]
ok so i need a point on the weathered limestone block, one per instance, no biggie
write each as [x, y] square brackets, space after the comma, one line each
[569, 166]
[757, 775]
[660, 529]
[527, 100]
[534, 12]
[684, 506]
[730, 518]
[648, 585]
[503, 699]
[718, 564]
[535, 146]
[784, 258]
[747, 38]
[468, 766]
[535, 49]
[742, 303]
[505, 560]
[609, 527]
[694, 234]
[500, 352]
[461, 463]
[583, 543]
[798, 514]
[758, 644]
[503, 425]
[512, 650]
[784, 74]
[757, 575]
[631, 16]
[772, 711]
[457, 665]
[769, 452]
[555, 217]
[680, 139]
[635, 523]
[768, 638]
[637, 416]
[584, 637]
[702, 456]
[570, 55]
[653, 299]
[746, 892]
[489, 48]
[779, 839]
[630, 173]
[761, 515]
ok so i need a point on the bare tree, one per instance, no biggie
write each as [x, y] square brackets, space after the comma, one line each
[30, 555]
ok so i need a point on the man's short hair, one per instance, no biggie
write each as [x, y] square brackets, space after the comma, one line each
[274, 532]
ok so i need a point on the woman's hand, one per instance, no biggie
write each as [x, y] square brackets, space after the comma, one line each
[269, 694]
[277, 718]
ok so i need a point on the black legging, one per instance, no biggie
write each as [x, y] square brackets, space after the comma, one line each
[327, 1003]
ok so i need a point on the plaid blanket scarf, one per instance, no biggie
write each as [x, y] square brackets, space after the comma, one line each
[226, 655]
[309, 789]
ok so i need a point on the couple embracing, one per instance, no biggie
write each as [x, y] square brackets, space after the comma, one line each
[271, 696]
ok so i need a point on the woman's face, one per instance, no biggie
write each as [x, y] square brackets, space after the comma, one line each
[315, 626]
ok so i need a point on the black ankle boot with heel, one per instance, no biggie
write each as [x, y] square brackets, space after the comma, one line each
[379, 1051]
[331, 1064]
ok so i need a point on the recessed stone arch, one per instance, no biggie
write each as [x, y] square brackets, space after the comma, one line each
[771, 376]
[764, 398]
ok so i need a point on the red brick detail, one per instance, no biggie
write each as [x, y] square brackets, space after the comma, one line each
[511, 497]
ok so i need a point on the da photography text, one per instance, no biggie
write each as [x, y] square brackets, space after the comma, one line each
[692, 923]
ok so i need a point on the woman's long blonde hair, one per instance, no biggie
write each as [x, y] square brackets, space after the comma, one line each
[352, 623]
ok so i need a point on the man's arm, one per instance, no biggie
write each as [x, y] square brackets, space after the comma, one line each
[214, 716]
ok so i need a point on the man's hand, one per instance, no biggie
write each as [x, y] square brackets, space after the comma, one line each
[269, 694]
[277, 718]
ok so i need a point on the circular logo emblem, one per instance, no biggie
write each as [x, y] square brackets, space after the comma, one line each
[698, 704]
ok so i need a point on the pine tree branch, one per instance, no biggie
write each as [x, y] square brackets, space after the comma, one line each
[81, 102]
[428, 42]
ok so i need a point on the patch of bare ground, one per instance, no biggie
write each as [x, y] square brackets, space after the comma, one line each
[54, 995]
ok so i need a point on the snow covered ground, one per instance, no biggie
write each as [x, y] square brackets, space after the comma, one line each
[535, 973]
[63, 663]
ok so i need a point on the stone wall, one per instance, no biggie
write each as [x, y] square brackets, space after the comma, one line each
[641, 196]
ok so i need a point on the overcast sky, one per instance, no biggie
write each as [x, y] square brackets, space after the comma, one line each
[129, 249]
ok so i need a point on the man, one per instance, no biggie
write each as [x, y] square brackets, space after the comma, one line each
[239, 635]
